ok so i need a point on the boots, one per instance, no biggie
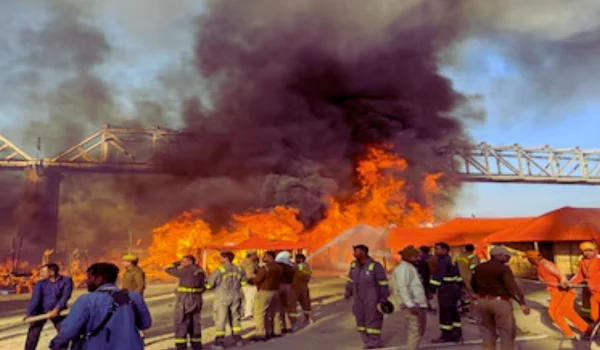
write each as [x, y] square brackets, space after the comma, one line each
[219, 343]
[237, 340]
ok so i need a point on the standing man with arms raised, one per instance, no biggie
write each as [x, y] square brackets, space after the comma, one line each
[50, 296]
[250, 266]
[495, 286]
[107, 317]
[368, 284]
[188, 306]
[411, 294]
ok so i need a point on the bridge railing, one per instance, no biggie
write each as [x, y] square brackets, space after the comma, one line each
[514, 163]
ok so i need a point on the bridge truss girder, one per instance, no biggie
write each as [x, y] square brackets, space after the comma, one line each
[114, 149]
[514, 163]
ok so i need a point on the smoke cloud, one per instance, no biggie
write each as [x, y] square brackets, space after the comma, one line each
[283, 99]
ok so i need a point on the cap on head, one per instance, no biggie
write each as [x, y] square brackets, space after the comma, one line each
[409, 252]
[500, 250]
[533, 254]
[587, 246]
[130, 257]
[190, 258]
[251, 252]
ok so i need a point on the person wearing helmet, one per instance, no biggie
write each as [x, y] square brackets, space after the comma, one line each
[368, 284]
[411, 294]
[286, 305]
[589, 271]
[134, 278]
[562, 298]
[227, 282]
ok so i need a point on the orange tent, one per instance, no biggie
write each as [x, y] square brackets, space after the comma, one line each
[456, 232]
[564, 224]
[254, 241]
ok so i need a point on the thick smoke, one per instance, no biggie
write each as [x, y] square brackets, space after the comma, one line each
[300, 90]
[283, 98]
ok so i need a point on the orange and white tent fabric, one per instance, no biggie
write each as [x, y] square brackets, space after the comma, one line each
[564, 224]
[456, 232]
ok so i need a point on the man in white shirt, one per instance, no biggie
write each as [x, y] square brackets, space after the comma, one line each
[411, 296]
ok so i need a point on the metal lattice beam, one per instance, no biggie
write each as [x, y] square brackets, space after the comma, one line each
[116, 149]
[11, 156]
[486, 163]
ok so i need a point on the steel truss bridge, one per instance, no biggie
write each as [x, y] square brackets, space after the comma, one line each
[114, 149]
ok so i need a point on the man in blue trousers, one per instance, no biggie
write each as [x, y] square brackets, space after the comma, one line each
[50, 297]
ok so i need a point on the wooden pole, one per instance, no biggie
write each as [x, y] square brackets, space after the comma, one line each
[43, 317]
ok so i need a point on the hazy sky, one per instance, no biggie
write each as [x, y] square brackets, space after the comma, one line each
[143, 47]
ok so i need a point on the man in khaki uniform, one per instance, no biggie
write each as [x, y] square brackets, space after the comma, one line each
[466, 263]
[250, 266]
[495, 287]
[267, 281]
[134, 278]
[300, 291]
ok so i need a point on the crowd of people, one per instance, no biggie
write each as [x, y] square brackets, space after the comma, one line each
[112, 317]
[269, 293]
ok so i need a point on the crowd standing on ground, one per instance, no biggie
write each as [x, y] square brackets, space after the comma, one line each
[109, 317]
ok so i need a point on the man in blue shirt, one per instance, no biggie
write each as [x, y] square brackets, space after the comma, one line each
[50, 296]
[105, 318]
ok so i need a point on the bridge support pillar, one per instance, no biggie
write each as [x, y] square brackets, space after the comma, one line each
[37, 215]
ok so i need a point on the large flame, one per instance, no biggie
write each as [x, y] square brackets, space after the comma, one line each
[381, 201]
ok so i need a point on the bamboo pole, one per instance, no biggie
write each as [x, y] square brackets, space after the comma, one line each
[43, 317]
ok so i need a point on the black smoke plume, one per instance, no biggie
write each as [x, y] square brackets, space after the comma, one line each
[299, 91]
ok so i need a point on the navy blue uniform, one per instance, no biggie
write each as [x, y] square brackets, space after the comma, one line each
[447, 282]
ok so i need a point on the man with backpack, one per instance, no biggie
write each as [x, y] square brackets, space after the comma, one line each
[105, 318]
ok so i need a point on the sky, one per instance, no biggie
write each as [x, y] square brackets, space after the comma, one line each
[512, 114]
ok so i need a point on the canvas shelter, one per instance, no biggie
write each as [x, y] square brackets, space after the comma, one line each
[456, 232]
[555, 234]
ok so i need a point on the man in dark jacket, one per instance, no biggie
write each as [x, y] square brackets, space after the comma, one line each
[368, 284]
[50, 296]
[267, 281]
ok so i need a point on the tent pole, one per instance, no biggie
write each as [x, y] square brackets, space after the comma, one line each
[204, 259]
[536, 246]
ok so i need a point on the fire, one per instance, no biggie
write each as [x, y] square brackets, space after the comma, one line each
[380, 201]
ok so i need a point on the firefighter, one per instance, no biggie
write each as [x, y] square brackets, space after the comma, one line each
[227, 280]
[589, 271]
[447, 282]
[466, 263]
[188, 305]
[134, 278]
[300, 291]
[562, 299]
[368, 284]
[286, 304]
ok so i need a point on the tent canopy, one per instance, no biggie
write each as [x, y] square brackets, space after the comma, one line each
[254, 241]
[564, 224]
[456, 232]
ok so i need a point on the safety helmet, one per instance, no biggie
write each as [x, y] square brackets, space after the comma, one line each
[385, 307]
[130, 257]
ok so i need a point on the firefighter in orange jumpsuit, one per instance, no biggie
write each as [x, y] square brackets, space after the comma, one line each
[562, 298]
[589, 271]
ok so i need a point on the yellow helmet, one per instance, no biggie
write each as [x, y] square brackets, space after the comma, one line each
[130, 257]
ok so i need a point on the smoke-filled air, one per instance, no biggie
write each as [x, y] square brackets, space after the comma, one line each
[304, 118]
